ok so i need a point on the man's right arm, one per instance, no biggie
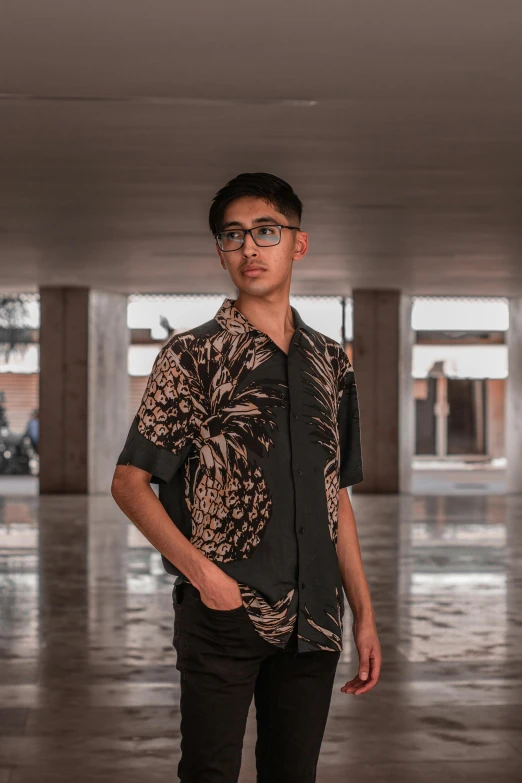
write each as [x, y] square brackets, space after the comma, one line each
[134, 495]
[159, 440]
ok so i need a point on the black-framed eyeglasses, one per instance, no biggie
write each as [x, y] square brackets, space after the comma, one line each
[263, 236]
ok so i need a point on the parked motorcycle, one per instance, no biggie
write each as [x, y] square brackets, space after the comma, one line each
[17, 455]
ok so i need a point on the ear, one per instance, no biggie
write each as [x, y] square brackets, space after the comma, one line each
[301, 245]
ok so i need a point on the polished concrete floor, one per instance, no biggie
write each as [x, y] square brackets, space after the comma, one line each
[89, 690]
[426, 480]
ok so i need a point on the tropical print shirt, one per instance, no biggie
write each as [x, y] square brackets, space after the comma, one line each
[250, 446]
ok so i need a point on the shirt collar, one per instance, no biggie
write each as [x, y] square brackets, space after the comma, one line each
[231, 319]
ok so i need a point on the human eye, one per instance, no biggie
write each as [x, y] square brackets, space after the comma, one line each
[267, 231]
[232, 234]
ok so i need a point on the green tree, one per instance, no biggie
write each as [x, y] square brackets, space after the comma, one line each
[15, 335]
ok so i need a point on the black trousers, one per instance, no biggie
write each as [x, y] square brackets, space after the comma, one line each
[223, 664]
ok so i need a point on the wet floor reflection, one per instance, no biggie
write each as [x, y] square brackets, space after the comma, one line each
[453, 580]
[88, 686]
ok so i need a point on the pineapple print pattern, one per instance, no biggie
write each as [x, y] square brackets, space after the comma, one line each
[333, 639]
[168, 383]
[228, 497]
[199, 397]
[225, 419]
[274, 623]
[325, 375]
[325, 365]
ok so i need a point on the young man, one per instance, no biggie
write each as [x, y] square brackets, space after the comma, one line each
[250, 425]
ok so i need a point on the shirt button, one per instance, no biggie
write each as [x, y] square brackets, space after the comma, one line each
[299, 472]
[301, 529]
[302, 585]
[296, 416]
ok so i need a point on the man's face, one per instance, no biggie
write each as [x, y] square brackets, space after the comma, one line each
[259, 270]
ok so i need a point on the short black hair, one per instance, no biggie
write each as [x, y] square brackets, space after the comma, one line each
[265, 186]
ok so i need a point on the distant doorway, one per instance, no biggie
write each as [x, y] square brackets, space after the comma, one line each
[466, 419]
[451, 417]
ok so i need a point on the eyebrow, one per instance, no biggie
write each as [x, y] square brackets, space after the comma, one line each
[266, 219]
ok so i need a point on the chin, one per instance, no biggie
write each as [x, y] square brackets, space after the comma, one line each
[252, 286]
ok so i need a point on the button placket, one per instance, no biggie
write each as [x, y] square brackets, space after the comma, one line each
[296, 423]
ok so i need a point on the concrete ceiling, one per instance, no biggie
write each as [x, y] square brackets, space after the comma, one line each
[399, 124]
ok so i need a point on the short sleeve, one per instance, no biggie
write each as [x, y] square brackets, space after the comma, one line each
[349, 429]
[162, 431]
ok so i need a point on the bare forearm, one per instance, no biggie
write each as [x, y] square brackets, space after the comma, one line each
[140, 504]
[350, 561]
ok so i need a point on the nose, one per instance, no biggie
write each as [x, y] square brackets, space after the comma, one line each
[249, 247]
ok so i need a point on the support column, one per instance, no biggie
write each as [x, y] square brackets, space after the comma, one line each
[513, 420]
[83, 388]
[382, 361]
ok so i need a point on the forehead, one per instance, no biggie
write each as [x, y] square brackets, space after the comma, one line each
[247, 208]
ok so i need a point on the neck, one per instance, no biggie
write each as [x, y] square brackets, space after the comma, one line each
[273, 316]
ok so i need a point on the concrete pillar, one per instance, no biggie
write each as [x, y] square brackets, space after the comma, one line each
[495, 417]
[83, 388]
[382, 360]
[513, 420]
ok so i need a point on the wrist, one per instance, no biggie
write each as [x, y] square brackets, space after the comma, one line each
[363, 615]
[204, 574]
